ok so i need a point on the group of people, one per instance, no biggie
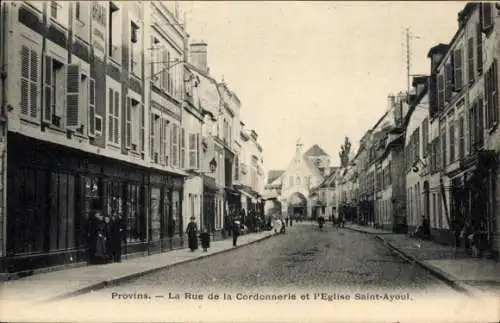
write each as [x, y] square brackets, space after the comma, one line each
[105, 236]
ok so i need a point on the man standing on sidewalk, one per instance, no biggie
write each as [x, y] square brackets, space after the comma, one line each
[236, 230]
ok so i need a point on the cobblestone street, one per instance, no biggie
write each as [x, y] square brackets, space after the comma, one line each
[303, 258]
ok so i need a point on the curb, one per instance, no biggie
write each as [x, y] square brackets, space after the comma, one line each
[453, 283]
[372, 233]
[118, 280]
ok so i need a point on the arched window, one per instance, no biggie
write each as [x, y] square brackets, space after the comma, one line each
[297, 180]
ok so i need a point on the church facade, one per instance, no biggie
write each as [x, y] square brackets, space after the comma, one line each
[290, 192]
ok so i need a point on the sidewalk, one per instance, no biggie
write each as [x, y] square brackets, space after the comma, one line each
[473, 276]
[71, 282]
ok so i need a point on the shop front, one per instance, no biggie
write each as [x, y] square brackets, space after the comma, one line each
[209, 204]
[472, 205]
[54, 192]
[166, 222]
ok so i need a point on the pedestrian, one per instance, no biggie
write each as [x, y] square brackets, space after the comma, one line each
[291, 220]
[115, 238]
[236, 230]
[205, 239]
[192, 233]
[92, 223]
[286, 220]
[101, 254]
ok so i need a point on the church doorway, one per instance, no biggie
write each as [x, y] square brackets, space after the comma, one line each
[297, 206]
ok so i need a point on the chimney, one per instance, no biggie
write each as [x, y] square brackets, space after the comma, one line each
[391, 101]
[419, 83]
[198, 55]
[436, 54]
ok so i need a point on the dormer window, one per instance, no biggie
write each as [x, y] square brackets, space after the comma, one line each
[486, 16]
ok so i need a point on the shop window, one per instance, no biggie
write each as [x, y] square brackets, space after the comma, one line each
[155, 213]
[135, 219]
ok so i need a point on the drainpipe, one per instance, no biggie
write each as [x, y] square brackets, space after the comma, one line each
[4, 111]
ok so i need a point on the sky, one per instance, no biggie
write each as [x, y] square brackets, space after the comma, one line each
[318, 71]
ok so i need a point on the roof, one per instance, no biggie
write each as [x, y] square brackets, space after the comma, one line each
[315, 151]
[273, 175]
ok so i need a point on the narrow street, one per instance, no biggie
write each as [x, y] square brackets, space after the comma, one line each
[303, 258]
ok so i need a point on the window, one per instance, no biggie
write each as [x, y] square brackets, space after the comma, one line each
[425, 138]
[132, 127]
[438, 153]
[136, 221]
[54, 6]
[479, 48]
[486, 16]
[135, 50]
[114, 26]
[297, 180]
[491, 96]
[113, 116]
[461, 137]
[29, 82]
[78, 10]
[433, 91]
[470, 60]
[458, 70]
[193, 150]
[53, 91]
[451, 130]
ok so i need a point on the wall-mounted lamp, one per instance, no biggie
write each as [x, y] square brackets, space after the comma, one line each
[213, 165]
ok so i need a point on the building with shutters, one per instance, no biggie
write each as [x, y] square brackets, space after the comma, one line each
[204, 189]
[463, 118]
[250, 184]
[95, 97]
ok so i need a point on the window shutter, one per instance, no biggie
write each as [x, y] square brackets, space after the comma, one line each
[458, 69]
[25, 79]
[91, 128]
[486, 16]
[142, 131]
[110, 114]
[34, 80]
[166, 143]
[182, 155]
[197, 150]
[440, 92]
[433, 90]
[47, 107]
[116, 128]
[73, 95]
[494, 89]
[480, 122]
[192, 148]
[448, 81]
[470, 60]
[479, 48]
[128, 123]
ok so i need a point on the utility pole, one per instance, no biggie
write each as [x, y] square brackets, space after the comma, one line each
[408, 61]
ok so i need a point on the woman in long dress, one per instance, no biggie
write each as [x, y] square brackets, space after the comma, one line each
[192, 233]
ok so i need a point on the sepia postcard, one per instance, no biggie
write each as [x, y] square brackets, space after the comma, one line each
[249, 161]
